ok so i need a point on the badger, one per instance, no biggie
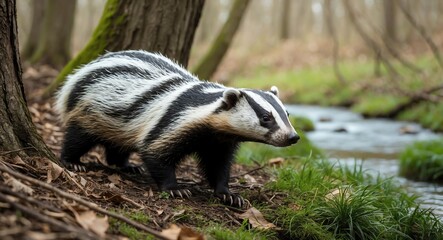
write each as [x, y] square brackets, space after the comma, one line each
[137, 101]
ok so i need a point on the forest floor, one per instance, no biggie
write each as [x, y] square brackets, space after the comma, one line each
[131, 195]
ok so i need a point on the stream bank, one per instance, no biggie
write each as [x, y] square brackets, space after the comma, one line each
[350, 139]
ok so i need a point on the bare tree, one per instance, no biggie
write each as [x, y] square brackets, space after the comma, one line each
[209, 63]
[329, 19]
[38, 9]
[390, 20]
[285, 19]
[167, 27]
[18, 135]
[54, 41]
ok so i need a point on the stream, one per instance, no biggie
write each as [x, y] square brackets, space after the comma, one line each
[349, 138]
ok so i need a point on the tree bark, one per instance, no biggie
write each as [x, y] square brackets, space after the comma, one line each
[167, 27]
[38, 7]
[285, 19]
[209, 63]
[18, 135]
[54, 42]
[390, 20]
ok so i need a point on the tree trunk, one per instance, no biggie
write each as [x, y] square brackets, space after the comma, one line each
[209, 63]
[285, 19]
[167, 27]
[54, 42]
[390, 20]
[38, 7]
[18, 135]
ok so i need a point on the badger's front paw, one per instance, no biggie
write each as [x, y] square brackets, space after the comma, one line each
[132, 168]
[78, 167]
[179, 193]
[233, 200]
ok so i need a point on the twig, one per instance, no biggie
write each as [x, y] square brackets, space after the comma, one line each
[28, 199]
[248, 172]
[28, 211]
[14, 151]
[233, 219]
[82, 201]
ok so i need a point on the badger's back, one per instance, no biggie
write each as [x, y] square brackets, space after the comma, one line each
[126, 96]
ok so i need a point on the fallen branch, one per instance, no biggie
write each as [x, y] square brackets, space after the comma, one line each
[81, 201]
[14, 151]
[76, 232]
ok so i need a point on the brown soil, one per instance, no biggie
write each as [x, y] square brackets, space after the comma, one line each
[108, 188]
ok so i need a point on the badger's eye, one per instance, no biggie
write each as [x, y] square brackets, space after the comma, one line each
[287, 113]
[267, 118]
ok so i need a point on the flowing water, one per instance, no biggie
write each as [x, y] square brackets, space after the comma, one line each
[350, 139]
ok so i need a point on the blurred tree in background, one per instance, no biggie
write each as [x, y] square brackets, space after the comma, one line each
[50, 37]
[158, 26]
[209, 63]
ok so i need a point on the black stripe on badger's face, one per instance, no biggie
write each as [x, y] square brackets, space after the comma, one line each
[191, 98]
[277, 106]
[261, 114]
[94, 76]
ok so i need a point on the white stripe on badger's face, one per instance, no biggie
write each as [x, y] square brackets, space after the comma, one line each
[247, 117]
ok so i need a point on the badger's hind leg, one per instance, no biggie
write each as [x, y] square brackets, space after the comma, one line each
[119, 157]
[76, 143]
[162, 171]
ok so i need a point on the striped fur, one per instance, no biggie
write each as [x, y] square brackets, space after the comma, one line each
[144, 102]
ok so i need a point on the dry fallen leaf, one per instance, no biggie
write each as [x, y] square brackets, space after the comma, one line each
[250, 179]
[175, 232]
[114, 178]
[89, 221]
[336, 193]
[18, 186]
[18, 160]
[54, 171]
[256, 219]
[83, 181]
[276, 161]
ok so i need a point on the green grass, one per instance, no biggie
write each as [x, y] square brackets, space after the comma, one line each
[302, 123]
[219, 232]
[363, 91]
[423, 161]
[261, 153]
[323, 201]
[127, 230]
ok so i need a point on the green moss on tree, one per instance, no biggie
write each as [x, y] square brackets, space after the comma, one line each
[96, 46]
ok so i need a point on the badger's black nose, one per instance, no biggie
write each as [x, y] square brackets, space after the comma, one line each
[293, 138]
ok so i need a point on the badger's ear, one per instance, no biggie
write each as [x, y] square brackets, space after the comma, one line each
[274, 90]
[231, 97]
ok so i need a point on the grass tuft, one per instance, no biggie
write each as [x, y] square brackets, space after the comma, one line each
[423, 161]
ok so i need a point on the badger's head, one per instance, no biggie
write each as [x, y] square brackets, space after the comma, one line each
[258, 116]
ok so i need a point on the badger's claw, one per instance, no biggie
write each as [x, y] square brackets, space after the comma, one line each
[137, 169]
[78, 167]
[182, 193]
[233, 200]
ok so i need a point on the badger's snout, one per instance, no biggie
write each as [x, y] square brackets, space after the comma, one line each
[293, 138]
[286, 140]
